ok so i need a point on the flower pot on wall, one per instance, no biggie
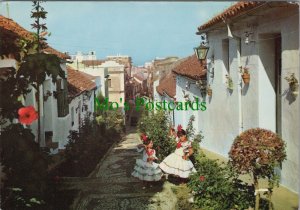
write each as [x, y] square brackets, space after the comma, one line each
[246, 78]
[293, 84]
[294, 89]
[209, 92]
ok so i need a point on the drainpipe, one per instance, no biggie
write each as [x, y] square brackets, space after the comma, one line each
[240, 91]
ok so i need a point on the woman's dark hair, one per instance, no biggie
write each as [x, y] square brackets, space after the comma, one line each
[181, 133]
[147, 142]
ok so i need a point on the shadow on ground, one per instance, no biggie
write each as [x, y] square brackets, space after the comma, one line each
[111, 185]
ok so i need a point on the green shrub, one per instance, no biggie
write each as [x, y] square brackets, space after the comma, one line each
[216, 187]
[86, 146]
[25, 166]
[112, 119]
[156, 127]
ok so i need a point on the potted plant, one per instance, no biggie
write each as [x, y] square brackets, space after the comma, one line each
[245, 74]
[293, 83]
[229, 82]
[209, 91]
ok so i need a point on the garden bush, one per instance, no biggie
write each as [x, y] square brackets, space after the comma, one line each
[86, 147]
[112, 119]
[216, 187]
[258, 152]
[156, 127]
[25, 168]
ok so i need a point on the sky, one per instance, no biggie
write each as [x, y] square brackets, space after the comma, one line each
[142, 30]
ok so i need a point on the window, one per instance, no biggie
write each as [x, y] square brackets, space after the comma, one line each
[62, 98]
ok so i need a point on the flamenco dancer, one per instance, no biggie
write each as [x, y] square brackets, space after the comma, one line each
[178, 162]
[145, 169]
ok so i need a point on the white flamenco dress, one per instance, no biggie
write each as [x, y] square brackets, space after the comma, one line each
[175, 164]
[147, 170]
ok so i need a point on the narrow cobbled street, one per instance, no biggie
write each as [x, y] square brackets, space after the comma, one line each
[111, 186]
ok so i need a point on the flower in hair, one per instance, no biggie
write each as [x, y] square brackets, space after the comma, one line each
[144, 137]
[179, 127]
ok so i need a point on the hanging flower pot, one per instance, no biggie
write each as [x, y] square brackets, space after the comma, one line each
[229, 83]
[294, 89]
[246, 78]
[245, 75]
[294, 84]
[209, 91]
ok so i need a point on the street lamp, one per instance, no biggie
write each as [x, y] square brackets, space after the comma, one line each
[201, 52]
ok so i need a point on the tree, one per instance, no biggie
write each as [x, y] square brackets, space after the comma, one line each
[258, 151]
[35, 67]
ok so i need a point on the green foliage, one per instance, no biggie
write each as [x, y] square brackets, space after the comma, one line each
[86, 147]
[216, 187]
[36, 66]
[112, 119]
[155, 126]
[196, 143]
[19, 202]
[10, 90]
[190, 131]
[257, 151]
[195, 139]
[38, 13]
[25, 166]
[100, 97]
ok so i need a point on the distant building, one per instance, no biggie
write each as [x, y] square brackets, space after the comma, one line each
[123, 60]
[79, 56]
[81, 95]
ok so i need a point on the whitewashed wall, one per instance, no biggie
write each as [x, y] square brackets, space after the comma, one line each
[182, 116]
[254, 106]
[156, 95]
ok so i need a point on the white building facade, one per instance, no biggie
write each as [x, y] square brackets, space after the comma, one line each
[265, 39]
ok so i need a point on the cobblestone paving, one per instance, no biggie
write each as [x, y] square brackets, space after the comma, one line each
[111, 186]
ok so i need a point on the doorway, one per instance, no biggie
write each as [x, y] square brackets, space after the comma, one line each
[269, 86]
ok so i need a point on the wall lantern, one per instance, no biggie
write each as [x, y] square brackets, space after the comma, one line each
[201, 52]
[106, 77]
[247, 37]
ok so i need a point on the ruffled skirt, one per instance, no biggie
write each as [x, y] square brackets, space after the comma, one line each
[146, 171]
[176, 165]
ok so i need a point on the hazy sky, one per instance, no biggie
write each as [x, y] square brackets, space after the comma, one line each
[142, 30]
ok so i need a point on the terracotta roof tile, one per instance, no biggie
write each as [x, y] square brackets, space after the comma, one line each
[191, 68]
[231, 12]
[78, 82]
[10, 25]
[88, 63]
[139, 76]
[14, 28]
[167, 85]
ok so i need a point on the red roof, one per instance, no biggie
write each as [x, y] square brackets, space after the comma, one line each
[167, 85]
[139, 77]
[191, 68]
[233, 11]
[79, 82]
[17, 30]
[93, 62]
